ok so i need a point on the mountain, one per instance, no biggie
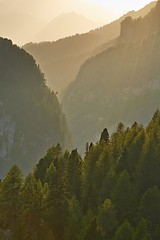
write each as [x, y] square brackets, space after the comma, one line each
[12, 24]
[63, 58]
[30, 116]
[120, 84]
[65, 25]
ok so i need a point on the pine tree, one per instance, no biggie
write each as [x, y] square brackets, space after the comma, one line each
[107, 218]
[10, 202]
[32, 198]
[74, 223]
[142, 231]
[73, 174]
[150, 205]
[124, 232]
[93, 231]
[124, 196]
[104, 135]
[56, 202]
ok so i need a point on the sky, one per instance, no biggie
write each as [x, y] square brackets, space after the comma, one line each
[97, 10]
[101, 10]
[34, 15]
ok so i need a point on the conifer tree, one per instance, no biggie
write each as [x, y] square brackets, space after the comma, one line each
[73, 172]
[107, 219]
[142, 231]
[74, 221]
[104, 135]
[124, 232]
[32, 198]
[56, 202]
[93, 231]
[10, 202]
[124, 196]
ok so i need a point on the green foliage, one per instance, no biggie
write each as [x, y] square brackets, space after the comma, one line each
[134, 140]
[56, 202]
[73, 174]
[124, 232]
[93, 231]
[74, 221]
[150, 210]
[104, 135]
[70, 198]
[10, 201]
[11, 186]
[124, 196]
[49, 236]
[90, 178]
[32, 194]
[142, 232]
[107, 218]
[52, 156]
[32, 198]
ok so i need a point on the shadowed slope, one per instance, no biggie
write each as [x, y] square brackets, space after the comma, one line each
[120, 84]
[30, 116]
[63, 58]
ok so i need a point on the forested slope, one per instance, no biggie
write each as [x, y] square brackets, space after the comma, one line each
[30, 116]
[113, 193]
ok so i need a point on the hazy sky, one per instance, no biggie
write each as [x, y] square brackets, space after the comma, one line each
[98, 9]
[102, 10]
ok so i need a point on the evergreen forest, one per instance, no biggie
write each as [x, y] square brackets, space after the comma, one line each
[112, 193]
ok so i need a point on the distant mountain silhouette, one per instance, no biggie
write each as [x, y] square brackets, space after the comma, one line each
[31, 119]
[63, 58]
[21, 28]
[120, 84]
[65, 25]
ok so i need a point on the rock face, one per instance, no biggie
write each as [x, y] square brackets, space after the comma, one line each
[120, 84]
[7, 131]
[140, 29]
[31, 119]
[127, 27]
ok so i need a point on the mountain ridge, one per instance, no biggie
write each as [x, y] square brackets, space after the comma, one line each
[119, 84]
[70, 53]
[65, 25]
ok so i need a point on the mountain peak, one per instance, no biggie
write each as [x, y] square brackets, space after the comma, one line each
[71, 13]
[71, 16]
[65, 25]
[66, 14]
